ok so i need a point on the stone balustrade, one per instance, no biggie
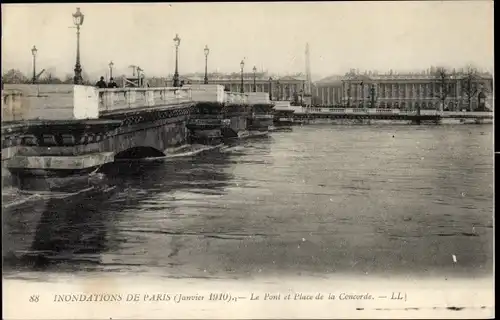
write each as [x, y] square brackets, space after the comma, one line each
[216, 94]
[258, 98]
[12, 107]
[235, 98]
[301, 110]
[23, 102]
[76, 102]
[121, 99]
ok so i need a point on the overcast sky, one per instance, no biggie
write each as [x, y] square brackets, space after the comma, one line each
[342, 35]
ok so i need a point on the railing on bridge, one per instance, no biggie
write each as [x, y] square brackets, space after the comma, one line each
[135, 98]
[22, 102]
[391, 112]
[215, 93]
[235, 98]
[12, 105]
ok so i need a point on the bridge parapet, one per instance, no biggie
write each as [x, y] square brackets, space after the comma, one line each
[12, 107]
[258, 98]
[22, 102]
[121, 99]
[235, 98]
[215, 93]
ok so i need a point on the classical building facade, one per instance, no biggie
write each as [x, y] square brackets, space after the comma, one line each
[408, 91]
[328, 91]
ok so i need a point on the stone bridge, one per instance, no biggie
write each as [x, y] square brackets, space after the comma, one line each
[65, 130]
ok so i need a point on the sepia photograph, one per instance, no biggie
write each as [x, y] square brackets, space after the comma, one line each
[248, 160]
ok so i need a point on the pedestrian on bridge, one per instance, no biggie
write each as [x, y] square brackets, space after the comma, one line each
[101, 83]
[112, 83]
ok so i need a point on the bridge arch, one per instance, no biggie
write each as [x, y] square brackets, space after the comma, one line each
[139, 153]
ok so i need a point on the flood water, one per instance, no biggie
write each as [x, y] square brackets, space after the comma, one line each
[322, 199]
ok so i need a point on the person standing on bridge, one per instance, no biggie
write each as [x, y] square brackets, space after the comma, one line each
[112, 83]
[101, 83]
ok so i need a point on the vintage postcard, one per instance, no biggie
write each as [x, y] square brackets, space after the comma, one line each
[251, 160]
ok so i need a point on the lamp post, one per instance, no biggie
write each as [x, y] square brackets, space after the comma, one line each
[349, 95]
[279, 90]
[372, 93]
[362, 87]
[78, 21]
[111, 64]
[270, 88]
[33, 52]
[347, 84]
[254, 79]
[242, 64]
[139, 77]
[206, 50]
[481, 101]
[177, 42]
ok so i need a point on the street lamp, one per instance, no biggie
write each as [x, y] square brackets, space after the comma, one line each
[361, 86]
[349, 95]
[270, 88]
[242, 64]
[78, 21]
[177, 42]
[372, 93]
[481, 101]
[111, 64]
[33, 52]
[254, 79]
[139, 76]
[206, 50]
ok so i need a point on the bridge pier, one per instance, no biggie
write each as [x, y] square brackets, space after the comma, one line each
[223, 115]
[205, 123]
[262, 118]
[235, 121]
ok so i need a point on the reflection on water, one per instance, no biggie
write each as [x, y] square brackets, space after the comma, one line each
[320, 199]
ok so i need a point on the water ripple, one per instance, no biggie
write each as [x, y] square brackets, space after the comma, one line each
[377, 199]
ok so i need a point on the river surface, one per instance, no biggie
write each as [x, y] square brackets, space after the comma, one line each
[323, 199]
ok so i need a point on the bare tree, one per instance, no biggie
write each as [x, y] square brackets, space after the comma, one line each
[49, 78]
[15, 76]
[68, 79]
[442, 85]
[469, 84]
